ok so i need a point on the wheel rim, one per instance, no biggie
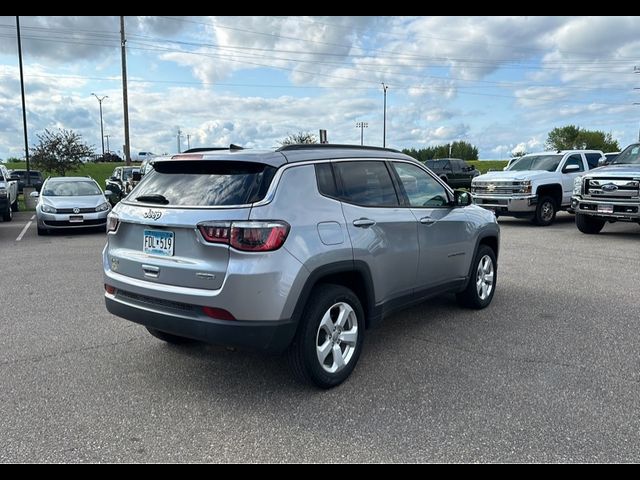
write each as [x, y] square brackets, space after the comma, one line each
[546, 211]
[484, 277]
[337, 337]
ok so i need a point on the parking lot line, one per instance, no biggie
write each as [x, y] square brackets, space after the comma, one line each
[24, 230]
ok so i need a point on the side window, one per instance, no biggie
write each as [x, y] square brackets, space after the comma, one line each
[421, 188]
[366, 183]
[574, 159]
[326, 181]
[592, 159]
[446, 165]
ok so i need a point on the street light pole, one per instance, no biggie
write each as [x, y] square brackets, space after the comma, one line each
[362, 126]
[24, 107]
[384, 118]
[101, 125]
[107, 137]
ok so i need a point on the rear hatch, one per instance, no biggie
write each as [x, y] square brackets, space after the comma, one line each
[157, 237]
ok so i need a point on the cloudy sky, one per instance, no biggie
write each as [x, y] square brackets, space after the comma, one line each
[500, 83]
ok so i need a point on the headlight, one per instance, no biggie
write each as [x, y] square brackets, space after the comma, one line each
[103, 208]
[524, 187]
[3, 193]
[577, 186]
[47, 209]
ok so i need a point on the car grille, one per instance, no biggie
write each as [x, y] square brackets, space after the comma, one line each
[70, 210]
[611, 188]
[85, 223]
[496, 188]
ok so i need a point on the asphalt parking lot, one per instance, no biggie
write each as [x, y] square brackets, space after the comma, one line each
[550, 372]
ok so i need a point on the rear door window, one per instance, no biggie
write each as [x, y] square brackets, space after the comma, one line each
[205, 183]
[366, 184]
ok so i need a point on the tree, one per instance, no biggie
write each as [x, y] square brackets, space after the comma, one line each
[60, 151]
[572, 137]
[463, 150]
[300, 137]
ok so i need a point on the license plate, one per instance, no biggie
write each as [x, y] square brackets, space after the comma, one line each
[76, 218]
[605, 208]
[158, 242]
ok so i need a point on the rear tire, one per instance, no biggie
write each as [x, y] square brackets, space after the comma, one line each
[545, 211]
[8, 215]
[482, 284]
[589, 225]
[169, 338]
[329, 338]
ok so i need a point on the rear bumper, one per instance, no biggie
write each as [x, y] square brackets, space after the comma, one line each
[268, 336]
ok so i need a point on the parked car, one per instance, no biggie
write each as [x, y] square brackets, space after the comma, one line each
[71, 203]
[142, 156]
[119, 183]
[219, 247]
[609, 194]
[8, 194]
[453, 171]
[35, 175]
[535, 186]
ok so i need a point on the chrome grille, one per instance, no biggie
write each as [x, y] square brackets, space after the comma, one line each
[612, 188]
[496, 188]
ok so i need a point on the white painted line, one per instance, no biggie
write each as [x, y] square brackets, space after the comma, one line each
[24, 230]
[33, 217]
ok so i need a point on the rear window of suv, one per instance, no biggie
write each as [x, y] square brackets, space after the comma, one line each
[206, 183]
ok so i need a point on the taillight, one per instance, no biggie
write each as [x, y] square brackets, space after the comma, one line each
[112, 223]
[218, 313]
[247, 236]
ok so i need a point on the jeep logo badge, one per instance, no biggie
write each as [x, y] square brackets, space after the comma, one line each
[152, 214]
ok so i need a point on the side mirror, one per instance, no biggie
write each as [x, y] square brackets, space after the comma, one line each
[461, 198]
[34, 194]
[108, 193]
[602, 162]
[571, 169]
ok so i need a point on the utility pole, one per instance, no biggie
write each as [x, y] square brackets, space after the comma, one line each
[125, 98]
[101, 126]
[107, 137]
[179, 135]
[636, 69]
[24, 108]
[384, 119]
[188, 142]
[362, 126]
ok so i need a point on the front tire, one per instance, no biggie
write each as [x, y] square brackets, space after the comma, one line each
[589, 225]
[8, 215]
[329, 338]
[545, 211]
[14, 206]
[482, 284]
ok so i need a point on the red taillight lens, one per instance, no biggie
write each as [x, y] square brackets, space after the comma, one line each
[218, 313]
[215, 232]
[247, 236]
[112, 223]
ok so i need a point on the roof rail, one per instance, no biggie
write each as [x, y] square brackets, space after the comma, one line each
[208, 149]
[311, 146]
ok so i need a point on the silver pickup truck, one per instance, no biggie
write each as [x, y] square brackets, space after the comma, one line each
[8, 194]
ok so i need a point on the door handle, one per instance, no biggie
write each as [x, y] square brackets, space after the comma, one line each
[364, 223]
[427, 221]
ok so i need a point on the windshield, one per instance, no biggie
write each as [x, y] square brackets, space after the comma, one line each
[127, 172]
[536, 162]
[631, 154]
[71, 189]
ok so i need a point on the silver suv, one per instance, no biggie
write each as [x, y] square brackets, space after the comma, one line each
[299, 250]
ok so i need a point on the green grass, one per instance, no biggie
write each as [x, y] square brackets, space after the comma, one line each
[485, 165]
[98, 171]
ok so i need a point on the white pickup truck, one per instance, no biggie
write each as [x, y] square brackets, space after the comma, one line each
[8, 194]
[535, 186]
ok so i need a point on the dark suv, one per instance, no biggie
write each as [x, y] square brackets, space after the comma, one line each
[453, 171]
[299, 250]
[36, 179]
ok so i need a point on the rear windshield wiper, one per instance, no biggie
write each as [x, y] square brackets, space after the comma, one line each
[154, 198]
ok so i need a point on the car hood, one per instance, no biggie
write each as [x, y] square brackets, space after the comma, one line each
[91, 201]
[622, 169]
[512, 175]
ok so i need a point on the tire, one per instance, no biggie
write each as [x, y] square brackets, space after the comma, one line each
[482, 284]
[545, 211]
[169, 338]
[42, 232]
[589, 225]
[8, 215]
[14, 206]
[329, 338]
